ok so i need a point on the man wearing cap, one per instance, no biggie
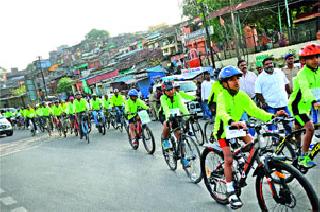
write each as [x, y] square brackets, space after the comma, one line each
[117, 102]
[290, 70]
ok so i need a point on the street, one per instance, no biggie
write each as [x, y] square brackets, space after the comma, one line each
[66, 174]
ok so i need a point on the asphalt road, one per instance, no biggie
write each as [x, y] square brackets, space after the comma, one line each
[66, 174]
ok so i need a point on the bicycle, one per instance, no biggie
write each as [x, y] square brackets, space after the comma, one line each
[85, 125]
[143, 132]
[270, 172]
[58, 125]
[208, 129]
[65, 124]
[184, 148]
[48, 124]
[101, 123]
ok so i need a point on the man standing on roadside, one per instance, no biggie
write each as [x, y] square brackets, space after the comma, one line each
[290, 70]
[205, 92]
[248, 79]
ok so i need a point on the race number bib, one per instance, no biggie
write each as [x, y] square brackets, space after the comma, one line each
[144, 116]
[175, 112]
[234, 133]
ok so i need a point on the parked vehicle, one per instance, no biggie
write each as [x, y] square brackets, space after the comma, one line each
[5, 126]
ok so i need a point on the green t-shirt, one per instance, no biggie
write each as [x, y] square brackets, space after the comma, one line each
[133, 107]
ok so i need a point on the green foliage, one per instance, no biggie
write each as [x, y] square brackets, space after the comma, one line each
[64, 85]
[19, 91]
[97, 34]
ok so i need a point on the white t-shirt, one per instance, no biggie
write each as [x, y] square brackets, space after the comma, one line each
[206, 89]
[247, 83]
[272, 88]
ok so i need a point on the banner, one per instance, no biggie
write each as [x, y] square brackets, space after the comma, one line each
[43, 63]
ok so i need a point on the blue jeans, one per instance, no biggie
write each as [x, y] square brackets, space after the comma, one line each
[95, 116]
[206, 111]
[273, 111]
[118, 113]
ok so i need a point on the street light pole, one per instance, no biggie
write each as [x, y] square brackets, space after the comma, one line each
[44, 82]
[208, 35]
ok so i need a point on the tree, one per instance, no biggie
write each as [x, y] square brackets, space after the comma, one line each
[64, 85]
[97, 34]
[19, 91]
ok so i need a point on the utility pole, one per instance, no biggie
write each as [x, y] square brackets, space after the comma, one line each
[44, 82]
[208, 35]
[235, 32]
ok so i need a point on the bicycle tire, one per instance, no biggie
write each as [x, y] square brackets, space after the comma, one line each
[193, 157]
[103, 129]
[198, 133]
[207, 131]
[147, 133]
[303, 182]
[214, 175]
[169, 155]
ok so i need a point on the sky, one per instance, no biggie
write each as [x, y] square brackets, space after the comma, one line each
[32, 28]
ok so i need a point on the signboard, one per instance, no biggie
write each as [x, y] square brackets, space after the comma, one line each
[189, 73]
[197, 34]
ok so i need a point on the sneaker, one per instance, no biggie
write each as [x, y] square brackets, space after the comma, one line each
[166, 144]
[234, 200]
[134, 142]
[306, 162]
[185, 163]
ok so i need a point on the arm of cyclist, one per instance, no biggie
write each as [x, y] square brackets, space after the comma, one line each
[187, 96]
[165, 107]
[306, 92]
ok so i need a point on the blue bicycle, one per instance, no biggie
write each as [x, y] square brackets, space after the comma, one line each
[85, 126]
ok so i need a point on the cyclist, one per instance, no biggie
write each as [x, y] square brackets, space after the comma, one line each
[117, 101]
[8, 114]
[31, 115]
[133, 104]
[57, 111]
[46, 114]
[182, 94]
[80, 106]
[171, 100]
[305, 95]
[71, 111]
[231, 104]
[96, 105]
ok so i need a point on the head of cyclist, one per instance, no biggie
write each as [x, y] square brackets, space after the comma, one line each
[133, 94]
[116, 92]
[78, 96]
[56, 103]
[176, 87]
[43, 104]
[310, 53]
[106, 96]
[268, 65]
[50, 104]
[94, 96]
[167, 88]
[62, 102]
[71, 98]
[229, 77]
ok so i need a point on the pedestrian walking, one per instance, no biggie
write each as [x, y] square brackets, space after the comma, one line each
[290, 70]
[153, 104]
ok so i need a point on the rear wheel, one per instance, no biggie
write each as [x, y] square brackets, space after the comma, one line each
[212, 165]
[148, 140]
[297, 195]
[190, 151]
[103, 129]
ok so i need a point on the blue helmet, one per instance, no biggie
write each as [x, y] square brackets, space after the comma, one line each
[228, 72]
[133, 92]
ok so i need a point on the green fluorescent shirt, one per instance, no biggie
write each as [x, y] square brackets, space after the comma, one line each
[106, 103]
[186, 96]
[95, 104]
[8, 114]
[216, 88]
[230, 108]
[70, 108]
[117, 101]
[306, 90]
[39, 111]
[57, 110]
[64, 107]
[133, 107]
[80, 106]
[46, 111]
[30, 113]
[167, 104]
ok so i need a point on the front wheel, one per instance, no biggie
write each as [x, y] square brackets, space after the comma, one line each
[278, 195]
[148, 140]
[212, 168]
[198, 133]
[170, 156]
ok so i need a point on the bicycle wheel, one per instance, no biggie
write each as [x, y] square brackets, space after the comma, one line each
[85, 131]
[298, 195]
[190, 151]
[212, 167]
[148, 140]
[198, 133]
[103, 129]
[208, 130]
[170, 154]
